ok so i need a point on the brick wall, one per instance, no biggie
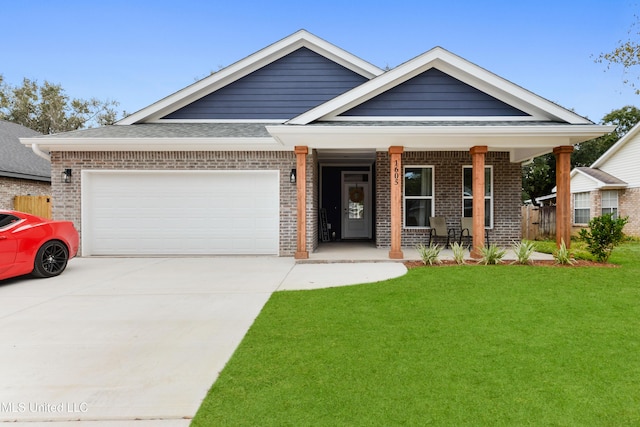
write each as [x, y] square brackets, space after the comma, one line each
[11, 187]
[629, 205]
[448, 194]
[67, 197]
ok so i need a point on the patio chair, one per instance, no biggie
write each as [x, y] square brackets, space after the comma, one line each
[466, 225]
[439, 228]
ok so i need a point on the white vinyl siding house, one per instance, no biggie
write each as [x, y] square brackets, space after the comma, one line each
[612, 183]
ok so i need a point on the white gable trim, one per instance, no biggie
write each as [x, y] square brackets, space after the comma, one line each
[457, 67]
[248, 65]
[617, 146]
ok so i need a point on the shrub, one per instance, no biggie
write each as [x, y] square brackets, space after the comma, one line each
[604, 234]
[563, 255]
[492, 254]
[430, 255]
[458, 253]
[578, 248]
[523, 251]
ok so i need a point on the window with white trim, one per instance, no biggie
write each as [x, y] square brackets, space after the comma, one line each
[581, 208]
[609, 203]
[418, 196]
[467, 194]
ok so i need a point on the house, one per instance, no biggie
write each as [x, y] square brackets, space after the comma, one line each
[245, 160]
[22, 172]
[610, 185]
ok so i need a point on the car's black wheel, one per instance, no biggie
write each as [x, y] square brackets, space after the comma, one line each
[51, 259]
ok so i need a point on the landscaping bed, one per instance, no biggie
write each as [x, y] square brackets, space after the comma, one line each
[536, 263]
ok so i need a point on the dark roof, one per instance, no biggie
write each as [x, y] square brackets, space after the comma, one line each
[253, 130]
[171, 130]
[18, 161]
[601, 176]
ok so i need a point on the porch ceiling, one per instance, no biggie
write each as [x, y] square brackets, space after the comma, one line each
[522, 141]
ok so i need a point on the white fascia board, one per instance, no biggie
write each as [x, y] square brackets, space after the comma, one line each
[248, 65]
[155, 144]
[465, 71]
[522, 142]
[615, 147]
[572, 134]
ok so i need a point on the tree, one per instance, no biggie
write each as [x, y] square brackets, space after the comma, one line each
[627, 54]
[538, 177]
[588, 152]
[48, 109]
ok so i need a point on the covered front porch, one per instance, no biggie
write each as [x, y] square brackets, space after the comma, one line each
[394, 233]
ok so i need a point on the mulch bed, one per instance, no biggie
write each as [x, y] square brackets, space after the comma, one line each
[537, 263]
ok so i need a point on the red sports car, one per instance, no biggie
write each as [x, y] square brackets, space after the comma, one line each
[33, 245]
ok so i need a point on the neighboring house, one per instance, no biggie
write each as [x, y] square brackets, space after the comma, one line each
[22, 172]
[243, 161]
[610, 185]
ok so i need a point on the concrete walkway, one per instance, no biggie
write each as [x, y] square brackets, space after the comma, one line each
[138, 341]
[116, 342]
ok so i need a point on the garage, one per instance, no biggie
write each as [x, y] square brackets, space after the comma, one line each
[180, 212]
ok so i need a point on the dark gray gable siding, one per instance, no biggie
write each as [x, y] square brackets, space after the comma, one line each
[282, 89]
[433, 93]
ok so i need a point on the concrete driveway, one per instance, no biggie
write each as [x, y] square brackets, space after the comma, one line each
[114, 340]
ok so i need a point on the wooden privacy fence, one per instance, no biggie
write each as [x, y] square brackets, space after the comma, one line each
[36, 205]
[538, 222]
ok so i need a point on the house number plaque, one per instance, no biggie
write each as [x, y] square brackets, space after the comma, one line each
[396, 173]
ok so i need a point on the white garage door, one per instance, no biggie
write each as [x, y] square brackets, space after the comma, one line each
[180, 212]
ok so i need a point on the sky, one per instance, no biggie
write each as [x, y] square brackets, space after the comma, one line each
[138, 52]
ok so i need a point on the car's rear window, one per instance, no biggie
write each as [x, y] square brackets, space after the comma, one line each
[7, 219]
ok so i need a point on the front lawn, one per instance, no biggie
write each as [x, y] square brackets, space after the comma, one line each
[462, 345]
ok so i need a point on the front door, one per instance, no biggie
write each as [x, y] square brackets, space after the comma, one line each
[356, 205]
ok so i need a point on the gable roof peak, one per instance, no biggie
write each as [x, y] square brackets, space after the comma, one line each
[630, 135]
[299, 39]
[457, 67]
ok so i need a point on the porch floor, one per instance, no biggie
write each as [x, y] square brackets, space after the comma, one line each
[358, 251]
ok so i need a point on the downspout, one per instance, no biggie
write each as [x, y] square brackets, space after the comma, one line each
[36, 149]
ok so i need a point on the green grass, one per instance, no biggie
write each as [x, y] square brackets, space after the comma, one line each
[505, 345]
[578, 248]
